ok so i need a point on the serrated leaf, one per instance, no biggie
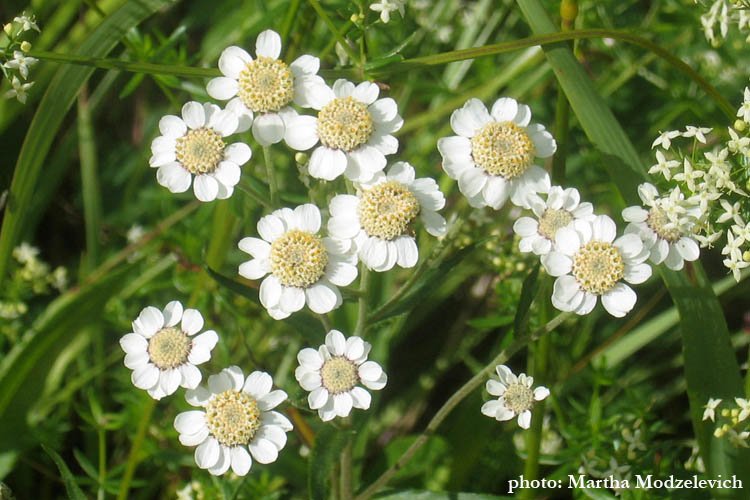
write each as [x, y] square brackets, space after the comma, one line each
[71, 487]
[329, 442]
[711, 368]
[57, 100]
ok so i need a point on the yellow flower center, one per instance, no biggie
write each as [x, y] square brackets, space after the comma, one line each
[598, 266]
[265, 85]
[298, 258]
[503, 148]
[552, 220]
[345, 123]
[233, 418]
[339, 375]
[200, 150]
[386, 210]
[518, 398]
[169, 348]
[657, 220]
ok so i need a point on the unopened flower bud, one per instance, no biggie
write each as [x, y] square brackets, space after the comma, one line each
[746, 256]
[8, 28]
[739, 125]
[301, 158]
[25, 47]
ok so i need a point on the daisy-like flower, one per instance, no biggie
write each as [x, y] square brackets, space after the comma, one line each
[333, 373]
[378, 219]
[194, 145]
[265, 86]
[665, 227]
[590, 263]
[164, 356]
[493, 156]
[302, 267]
[559, 209]
[238, 423]
[515, 397]
[354, 128]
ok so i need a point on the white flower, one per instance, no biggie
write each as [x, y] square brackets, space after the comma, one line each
[663, 166]
[333, 373]
[21, 62]
[665, 139]
[731, 212]
[560, 209]
[385, 7]
[710, 409]
[493, 155]
[666, 227]
[589, 263]
[264, 86]
[737, 144]
[743, 404]
[689, 174]
[302, 266]
[378, 219]
[194, 145]
[164, 356]
[697, 132]
[238, 421]
[515, 397]
[27, 23]
[744, 111]
[354, 128]
[25, 253]
[18, 91]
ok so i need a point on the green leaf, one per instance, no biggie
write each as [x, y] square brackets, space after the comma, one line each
[711, 368]
[329, 442]
[74, 492]
[430, 495]
[528, 292]
[57, 100]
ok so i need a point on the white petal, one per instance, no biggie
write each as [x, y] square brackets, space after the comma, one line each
[343, 88]
[619, 301]
[273, 433]
[301, 132]
[557, 264]
[194, 439]
[308, 380]
[194, 115]
[172, 126]
[340, 273]
[272, 400]
[525, 226]
[198, 396]
[270, 292]
[224, 123]
[145, 376]
[190, 422]
[637, 274]
[383, 110]
[190, 376]
[292, 299]
[172, 313]
[491, 407]
[174, 177]
[471, 181]
[322, 297]
[524, 419]
[305, 65]
[238, 153]
[540, 393]
[544, 143]
[258, 384]
[604, 229]
[309, 217]
[270, 227]
[256, 247]
[207, 454]
[688, 248]
[434, 223]
[317, 398]
[567, 240]
[370, 370]
[222, 465]
[505, 109]
[336, 343]
[342, 404]
[408, 254]
[149, 321]
[132, 343]
[192, 321]
[232, 61]
[355, 347]
[202, 346]
[244, 115]
[220, 382]
[674, 260]
[268, 129]
[241, 461]
[368, 158]
[205, 187]
[634, 214]
[309, 358]
[378, 384]
[470, 118]
[495, 388]
[326, 163]
[263, 450]
[505, 374]
[496, 192]
[268, 44]
[276, 418]
[456, 148]
[360, 398]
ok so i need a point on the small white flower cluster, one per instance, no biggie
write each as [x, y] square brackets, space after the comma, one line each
[385, 7]
[723, 13]
[35, 273]
[17, 62]
[733, 417]
[705, 200]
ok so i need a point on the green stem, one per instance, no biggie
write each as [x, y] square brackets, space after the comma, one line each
[322, 13]
[255, 196]
[562, 122]
[271, 172]
[476, 381]
[747, 376]
[345, 463]
[364, 285]
[102, 436]
[135, 450]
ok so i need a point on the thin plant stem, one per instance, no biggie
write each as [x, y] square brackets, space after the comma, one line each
[747, 377]
[322, 13]
[326, 322]
[102, 437]
[255, 196]
[476, 381]
[345, 464]
[135, 450]
[364, 284]
[271, 172]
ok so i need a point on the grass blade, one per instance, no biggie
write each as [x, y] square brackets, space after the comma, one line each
[74, 492]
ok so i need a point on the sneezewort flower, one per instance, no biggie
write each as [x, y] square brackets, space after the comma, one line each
[333, 375]
[665, 226]
[162, 355]
[302, 267]
[194, 146]
[493, 156]
[264, 87]
[589, 262]
[515, 397]
[559, 209]
[354, 128]
[378, 219]
[237, 424]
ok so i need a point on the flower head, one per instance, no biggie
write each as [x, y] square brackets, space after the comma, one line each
[515, 397]
[238, 423]
[710, 409]
[333, 375]
[27, 22]
[21, 62]
[19, 90]
[302, 267]
[589, 263]
[378, 219]
[559, 209]
[194, 146]
[354, 128]
[665, 226]
[385, 7]
[493, 156]
[264, 87]
[164, 356]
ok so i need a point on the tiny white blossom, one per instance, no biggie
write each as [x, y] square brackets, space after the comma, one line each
[385, 7]
[730, 212]
[697, 132]
[744, 111]
[19, 91]
[663, 166]
[689, 175]
[738, 144]
[27, 23]
[665, 139]
[515, 397]
[710, 408]
[21, 62]
[744, 405]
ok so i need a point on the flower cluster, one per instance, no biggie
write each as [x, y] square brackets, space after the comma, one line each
[730, 421]
[723, 13]
[15, 54]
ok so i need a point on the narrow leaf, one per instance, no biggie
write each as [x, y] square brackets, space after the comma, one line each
[74, 492]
